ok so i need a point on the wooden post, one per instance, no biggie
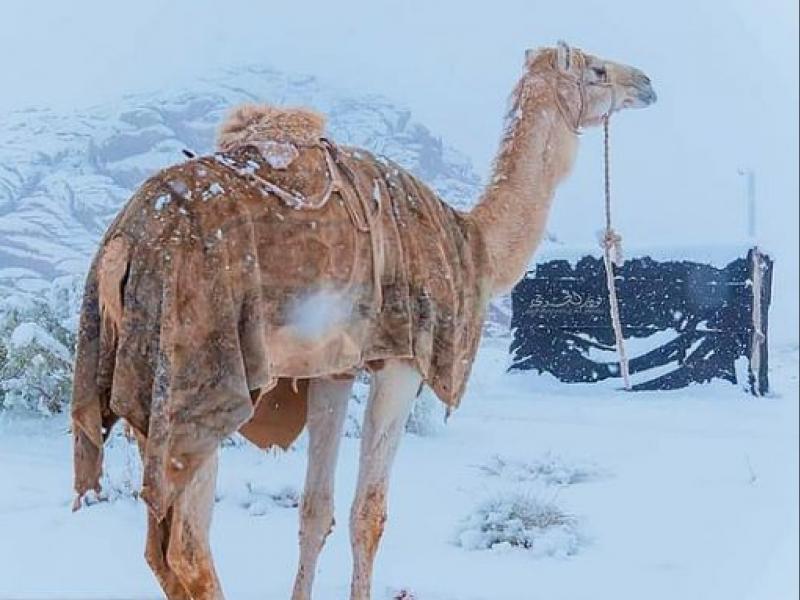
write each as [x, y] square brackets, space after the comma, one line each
[761, 278]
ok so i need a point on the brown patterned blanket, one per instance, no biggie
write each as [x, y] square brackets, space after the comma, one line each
[229, 280]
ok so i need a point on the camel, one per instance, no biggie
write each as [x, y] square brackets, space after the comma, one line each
[245, 290]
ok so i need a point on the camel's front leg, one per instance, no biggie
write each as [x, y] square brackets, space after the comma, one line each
[327, 408]
[391, 396]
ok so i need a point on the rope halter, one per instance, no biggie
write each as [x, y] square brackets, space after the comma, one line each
[574, 125]
[579, 81]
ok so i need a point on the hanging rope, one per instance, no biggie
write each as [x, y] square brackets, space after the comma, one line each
[612, 254]
[611, 240]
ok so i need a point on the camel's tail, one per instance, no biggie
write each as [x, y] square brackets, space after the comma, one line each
[112, 273]
[101, 320]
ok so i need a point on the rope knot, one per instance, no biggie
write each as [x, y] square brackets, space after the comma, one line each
[612, 242]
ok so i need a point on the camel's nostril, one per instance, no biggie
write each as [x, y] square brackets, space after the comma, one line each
[646, 94]
[649, 96]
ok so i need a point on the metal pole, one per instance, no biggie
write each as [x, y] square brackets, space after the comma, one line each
[751, 201]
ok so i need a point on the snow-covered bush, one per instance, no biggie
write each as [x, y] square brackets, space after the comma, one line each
[37, 346]
[498, 318]
[549, 469]
[519, 520]
[122, 472]
[426, 418]
[427, 415]
[259, 499]
[356, 406]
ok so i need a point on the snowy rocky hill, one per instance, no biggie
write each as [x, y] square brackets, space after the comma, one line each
[63, 176]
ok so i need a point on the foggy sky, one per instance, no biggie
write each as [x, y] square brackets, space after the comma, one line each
[725, 72]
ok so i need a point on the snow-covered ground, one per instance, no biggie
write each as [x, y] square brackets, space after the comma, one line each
[677, 495]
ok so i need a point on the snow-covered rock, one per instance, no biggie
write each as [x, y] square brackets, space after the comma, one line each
[63, 176]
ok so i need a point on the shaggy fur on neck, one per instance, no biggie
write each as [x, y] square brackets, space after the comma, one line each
[250, 123]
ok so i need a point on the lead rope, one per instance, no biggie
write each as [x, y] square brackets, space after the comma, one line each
[612, 253]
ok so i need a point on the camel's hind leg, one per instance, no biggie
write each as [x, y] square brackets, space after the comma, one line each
[391, 396]
[177, 547]
[189, 552]
[156, 555]
[327, 408]
[155, 552]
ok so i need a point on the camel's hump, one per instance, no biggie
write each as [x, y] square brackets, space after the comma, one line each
[253, 123]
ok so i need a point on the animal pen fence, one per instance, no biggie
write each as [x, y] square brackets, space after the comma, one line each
[683, 321]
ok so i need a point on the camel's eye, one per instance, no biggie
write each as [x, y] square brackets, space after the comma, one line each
[600, 73]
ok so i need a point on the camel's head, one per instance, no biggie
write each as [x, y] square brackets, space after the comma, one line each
[592, 86]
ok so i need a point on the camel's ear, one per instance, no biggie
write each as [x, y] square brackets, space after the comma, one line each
[530, 55]
[563, 56]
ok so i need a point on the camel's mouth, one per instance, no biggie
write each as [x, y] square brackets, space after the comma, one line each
[640, 98]
[642, 93]
[647, 95]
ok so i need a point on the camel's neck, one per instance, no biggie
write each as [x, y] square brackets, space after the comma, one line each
[536, 152]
